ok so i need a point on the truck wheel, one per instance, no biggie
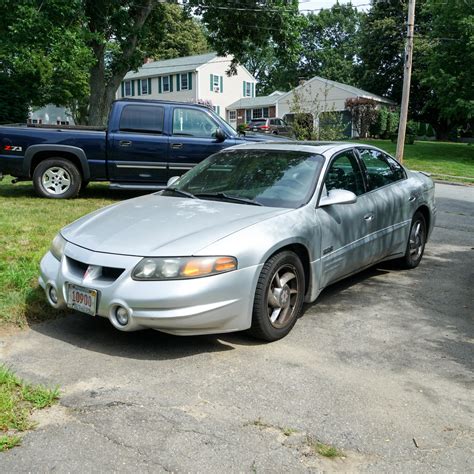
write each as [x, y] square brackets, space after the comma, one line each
[57, 178]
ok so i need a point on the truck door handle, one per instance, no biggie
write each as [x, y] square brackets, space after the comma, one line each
[369, 217]
[176, 146]
[412, 198]
[125, 142]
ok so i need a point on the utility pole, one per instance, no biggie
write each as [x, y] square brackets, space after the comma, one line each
[402, 127]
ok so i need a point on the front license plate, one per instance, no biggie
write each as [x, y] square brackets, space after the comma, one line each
[82, 299]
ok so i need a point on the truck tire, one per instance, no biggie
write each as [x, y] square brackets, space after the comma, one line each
[57, 178]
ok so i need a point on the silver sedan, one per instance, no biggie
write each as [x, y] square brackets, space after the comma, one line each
[242, 240]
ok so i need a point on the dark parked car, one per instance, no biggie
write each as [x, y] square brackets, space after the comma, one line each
[275, 126]
[144, 144]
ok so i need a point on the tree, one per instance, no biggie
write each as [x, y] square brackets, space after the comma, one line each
[441, 88]
[364, 114]
[330, 44]
[448, 70]
[43, 57]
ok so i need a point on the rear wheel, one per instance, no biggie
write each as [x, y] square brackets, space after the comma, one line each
[57, 178]
[416, 242]
[279, 297]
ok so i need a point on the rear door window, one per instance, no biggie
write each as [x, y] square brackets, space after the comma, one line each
[142, 119]
[381, 169]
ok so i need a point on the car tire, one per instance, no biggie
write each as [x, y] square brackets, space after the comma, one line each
[279, 297]
[416, 243]
[57, 178]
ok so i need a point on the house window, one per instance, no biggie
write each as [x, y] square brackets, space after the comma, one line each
[166, 83]
[215, 83]
[128, 88]
[257, 113]
[144, 87]
[232, 115]
[248, 89]
[265, 112]
[184, 82]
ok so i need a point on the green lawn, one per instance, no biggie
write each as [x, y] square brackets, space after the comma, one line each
[28, 224]
[453, 160]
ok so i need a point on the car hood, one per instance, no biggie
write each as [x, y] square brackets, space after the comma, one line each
[155, 225]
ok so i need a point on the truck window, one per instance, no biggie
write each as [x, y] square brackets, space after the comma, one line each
[193, 123]
[142, 119]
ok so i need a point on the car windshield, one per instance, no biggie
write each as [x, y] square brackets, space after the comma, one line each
[274, 178]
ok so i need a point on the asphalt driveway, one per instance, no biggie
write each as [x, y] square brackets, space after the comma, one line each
[381, 367]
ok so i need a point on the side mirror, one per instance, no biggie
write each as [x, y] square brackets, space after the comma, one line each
[337, 196]
[172, 180]
[220, 135]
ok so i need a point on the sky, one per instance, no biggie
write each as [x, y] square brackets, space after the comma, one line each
[317, 4]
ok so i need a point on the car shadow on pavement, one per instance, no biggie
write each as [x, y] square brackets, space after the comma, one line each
[98, 335]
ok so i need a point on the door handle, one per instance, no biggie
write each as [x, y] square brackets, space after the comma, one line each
[125, 142]
[369, 217]
[412, 198]
[176, 146]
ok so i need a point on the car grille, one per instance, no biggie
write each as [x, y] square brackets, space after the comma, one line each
[108, 274]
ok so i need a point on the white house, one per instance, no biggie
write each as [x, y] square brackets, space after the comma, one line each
[51, 115]
[190, 79]
[315, 95]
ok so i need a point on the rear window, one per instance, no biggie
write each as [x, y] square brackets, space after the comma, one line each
[142, 119]
[258, 122]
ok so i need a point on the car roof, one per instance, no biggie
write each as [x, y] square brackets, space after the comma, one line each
[294, 145]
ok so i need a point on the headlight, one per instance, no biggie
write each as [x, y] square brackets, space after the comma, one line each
[57, 247]
[180, 268]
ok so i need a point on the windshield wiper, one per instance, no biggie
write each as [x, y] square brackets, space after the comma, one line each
[228, 197]
[180, 192]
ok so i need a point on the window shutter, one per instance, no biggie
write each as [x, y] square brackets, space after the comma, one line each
[133, 87]
[139, 85]
[190, 80]
[212, 82]
[123, 89]
[160, 85]
[170, 81]
[222, 84]
[178, 82]
[253, 89]
[244, 89]
[149, 85]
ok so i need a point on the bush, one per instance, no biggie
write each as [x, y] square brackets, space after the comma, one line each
[430, 131]
[379, 128]
[422, 129]
[242, 127]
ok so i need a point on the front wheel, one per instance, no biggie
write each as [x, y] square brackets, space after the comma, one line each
[416, 242]
[279, 297]
[57, 178]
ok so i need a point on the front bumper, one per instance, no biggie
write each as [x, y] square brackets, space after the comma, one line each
[215, 304]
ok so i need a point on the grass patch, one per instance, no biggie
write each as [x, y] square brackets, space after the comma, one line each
[17, 401]
[325, 450]
[448, 161]
[28, 225]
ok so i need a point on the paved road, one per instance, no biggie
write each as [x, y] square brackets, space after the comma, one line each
[381, 368]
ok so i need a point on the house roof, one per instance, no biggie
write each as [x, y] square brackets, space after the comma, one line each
[262, 101]
[274, 97]
[171, 66]
[351, 89]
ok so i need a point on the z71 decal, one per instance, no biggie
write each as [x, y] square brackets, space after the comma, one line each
[12, 148]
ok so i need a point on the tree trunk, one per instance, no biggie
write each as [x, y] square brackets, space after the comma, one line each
[105, 79]
[442, 129]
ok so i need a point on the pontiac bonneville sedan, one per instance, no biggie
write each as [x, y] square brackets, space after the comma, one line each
[242, 240]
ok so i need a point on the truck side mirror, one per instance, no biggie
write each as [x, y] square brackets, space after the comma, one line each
[219, 135]
[172, 180]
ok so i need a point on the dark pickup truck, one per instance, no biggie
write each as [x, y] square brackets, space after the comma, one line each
[145, 143]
